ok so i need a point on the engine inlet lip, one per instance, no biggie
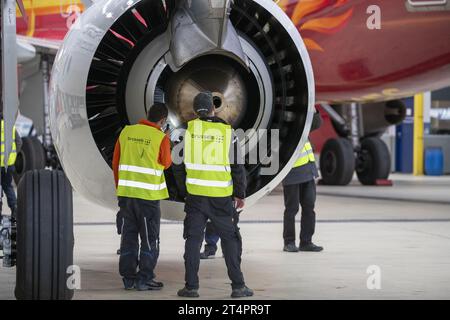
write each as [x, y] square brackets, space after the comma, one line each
[75, 147]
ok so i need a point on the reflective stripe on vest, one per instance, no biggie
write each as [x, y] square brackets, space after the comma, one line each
[140, 174]
[306, 156]
[206, 156]
[13, 155]
[142, 185]
[143, 170]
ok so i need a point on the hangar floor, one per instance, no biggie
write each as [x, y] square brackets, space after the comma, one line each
[404, 230]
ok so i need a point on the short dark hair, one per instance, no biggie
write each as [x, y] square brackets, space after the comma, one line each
[157, 112]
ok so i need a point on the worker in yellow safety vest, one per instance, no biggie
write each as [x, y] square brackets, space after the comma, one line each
[215, 183]
[299, 187]
[7, 173]
[141, 155]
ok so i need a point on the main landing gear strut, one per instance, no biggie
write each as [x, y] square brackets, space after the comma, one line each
[368, 156]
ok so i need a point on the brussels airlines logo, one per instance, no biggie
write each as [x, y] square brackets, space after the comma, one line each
[301, 12]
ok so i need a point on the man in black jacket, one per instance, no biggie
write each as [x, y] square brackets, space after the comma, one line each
[211, 197]
[300, 188]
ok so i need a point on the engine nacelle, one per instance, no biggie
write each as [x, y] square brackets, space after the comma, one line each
[116, 62]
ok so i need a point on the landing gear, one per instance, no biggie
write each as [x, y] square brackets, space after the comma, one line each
[37, 155]
[30, 157]
[44, 236]
[373, 161]
[337, 162]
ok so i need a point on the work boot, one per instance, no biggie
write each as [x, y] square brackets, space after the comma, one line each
[129, 284]
[242, 292]
[310, 247]
[151, 285]
[207, 255]
[188, 293]
[290, 247]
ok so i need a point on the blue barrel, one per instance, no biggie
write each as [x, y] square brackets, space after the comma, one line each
[434, 162]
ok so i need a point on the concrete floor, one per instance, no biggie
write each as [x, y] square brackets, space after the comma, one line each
[408, 240]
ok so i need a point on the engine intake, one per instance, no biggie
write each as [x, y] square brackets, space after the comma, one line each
[114, 65]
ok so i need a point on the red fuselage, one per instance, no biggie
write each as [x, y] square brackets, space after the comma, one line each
[410, 52]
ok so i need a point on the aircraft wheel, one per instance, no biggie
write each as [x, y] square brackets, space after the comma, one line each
[374, 161]
[30, 157]
[44, 236]
[337, 162]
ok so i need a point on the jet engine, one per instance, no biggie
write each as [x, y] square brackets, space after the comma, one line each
[123, 55]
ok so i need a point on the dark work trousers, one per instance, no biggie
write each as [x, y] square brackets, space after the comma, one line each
[222, 214]
[305, 195]
[138, 218]
[7, 187]
[211, 236]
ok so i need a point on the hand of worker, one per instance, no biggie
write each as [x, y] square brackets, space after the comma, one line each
[239, 203]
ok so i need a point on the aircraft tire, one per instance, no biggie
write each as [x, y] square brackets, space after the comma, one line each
[45, 237]
[30, 157]
[374, 161]
[337, 162]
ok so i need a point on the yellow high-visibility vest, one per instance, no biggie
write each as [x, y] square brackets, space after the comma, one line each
[13, 154]
[206, 157]
[306, 156]
[140, 174]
